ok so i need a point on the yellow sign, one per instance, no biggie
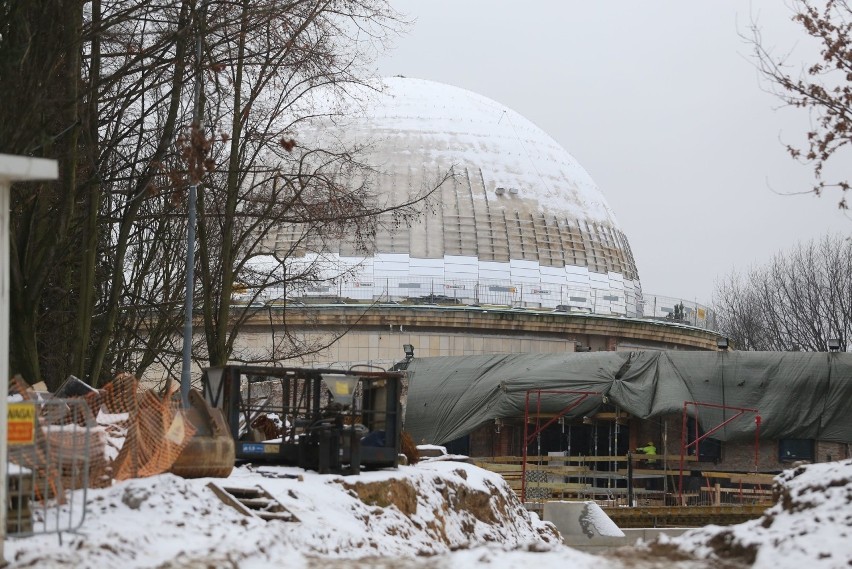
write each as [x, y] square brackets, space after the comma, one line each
[20, 424]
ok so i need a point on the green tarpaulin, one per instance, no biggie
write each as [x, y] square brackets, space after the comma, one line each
[797, 395]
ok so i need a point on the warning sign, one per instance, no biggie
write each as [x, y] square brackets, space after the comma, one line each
[21, 424]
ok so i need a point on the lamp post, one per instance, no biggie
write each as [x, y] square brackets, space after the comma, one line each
[197, 116]
[12, 169]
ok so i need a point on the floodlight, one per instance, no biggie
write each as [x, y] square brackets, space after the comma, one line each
[834, 344]
[409, 351]
[722, 343]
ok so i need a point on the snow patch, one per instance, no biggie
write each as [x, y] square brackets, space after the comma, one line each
[809, 526]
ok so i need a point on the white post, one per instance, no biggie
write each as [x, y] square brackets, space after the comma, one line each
[12, 169]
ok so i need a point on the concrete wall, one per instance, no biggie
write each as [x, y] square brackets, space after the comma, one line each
[585, 526]
[384, 346]
[631, 536]
[377, 335]
[342, 335]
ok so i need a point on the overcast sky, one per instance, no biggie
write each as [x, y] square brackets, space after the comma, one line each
[662, 105]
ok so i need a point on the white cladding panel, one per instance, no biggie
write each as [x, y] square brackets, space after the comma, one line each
[490, 270]
[461, 267]
[427, 268]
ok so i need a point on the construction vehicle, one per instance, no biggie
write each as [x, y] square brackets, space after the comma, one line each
[327, 420]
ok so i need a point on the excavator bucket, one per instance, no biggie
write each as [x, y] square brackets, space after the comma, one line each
[210, 452]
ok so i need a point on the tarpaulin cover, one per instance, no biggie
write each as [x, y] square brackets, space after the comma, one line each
[797, 395]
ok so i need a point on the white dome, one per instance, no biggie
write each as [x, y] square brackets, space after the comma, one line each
[417, 123]
[519, 210]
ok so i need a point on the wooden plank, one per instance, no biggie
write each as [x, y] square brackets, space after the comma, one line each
[649, 471]
[285, 516]
[558, 458]
[671, 459]
[610, 416]
[558, 485]
[756, 479]
[707, 474]
[258, 503]
[619, 491]
[230, 500]
[741, 478]
[559, 470]
[752, 491]
[493, 467]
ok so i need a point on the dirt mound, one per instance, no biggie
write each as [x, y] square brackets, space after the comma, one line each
[454, 510]
[395, 492]
[422, 512]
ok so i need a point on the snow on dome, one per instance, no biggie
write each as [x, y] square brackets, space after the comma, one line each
[518, 211]
[445, 126]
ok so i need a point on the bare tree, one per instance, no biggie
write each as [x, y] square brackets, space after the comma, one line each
[100, 87]
[106, 88]
[271, 85]
[823, 88]
[796, 302]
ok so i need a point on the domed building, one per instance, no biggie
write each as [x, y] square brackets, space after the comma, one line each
[516, 251]
[516, 255]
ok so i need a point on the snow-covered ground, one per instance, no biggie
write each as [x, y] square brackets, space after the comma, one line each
[810, 526]
[439, 514]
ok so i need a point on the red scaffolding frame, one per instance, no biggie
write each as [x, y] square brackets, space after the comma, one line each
[528, 438]
[684, 446]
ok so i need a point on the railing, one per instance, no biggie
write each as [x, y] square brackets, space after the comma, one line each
[678, 310]
[580, 299]
[606, 480]
[720, 488]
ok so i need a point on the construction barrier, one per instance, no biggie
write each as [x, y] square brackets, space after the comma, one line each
[53, 447]
[61, 445]
[604, 479]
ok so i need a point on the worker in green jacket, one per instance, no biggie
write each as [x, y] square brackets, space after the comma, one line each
[649, 448]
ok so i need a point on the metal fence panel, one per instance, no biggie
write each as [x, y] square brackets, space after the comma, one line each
[48, 468]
